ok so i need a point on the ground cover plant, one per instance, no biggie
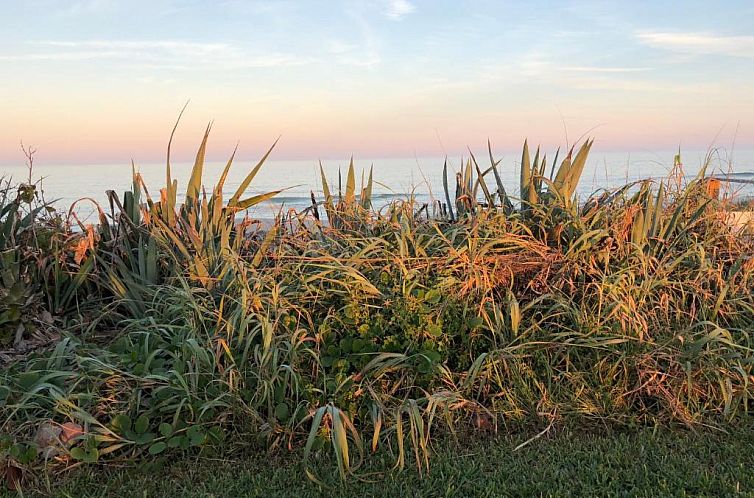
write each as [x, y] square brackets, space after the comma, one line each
[179, 325]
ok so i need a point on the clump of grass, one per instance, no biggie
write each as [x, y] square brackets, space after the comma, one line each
[380, 327]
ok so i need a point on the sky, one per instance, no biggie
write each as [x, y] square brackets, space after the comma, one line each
[103, 81]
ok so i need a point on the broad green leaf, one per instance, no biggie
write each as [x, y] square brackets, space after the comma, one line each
[142, 424]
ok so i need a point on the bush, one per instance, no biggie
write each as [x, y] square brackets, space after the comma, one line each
[201, 331]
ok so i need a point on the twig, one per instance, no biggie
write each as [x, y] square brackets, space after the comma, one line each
[547, 429]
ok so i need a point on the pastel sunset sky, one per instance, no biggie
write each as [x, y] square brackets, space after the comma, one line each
[97, 81]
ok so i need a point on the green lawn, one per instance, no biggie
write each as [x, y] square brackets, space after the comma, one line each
[637, 463]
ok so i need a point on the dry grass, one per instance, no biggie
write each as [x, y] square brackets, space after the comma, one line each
[379, 328]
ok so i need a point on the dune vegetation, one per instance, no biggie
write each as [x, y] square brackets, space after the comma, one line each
[177, 324]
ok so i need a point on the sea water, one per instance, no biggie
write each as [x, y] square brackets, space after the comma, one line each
[417, 178]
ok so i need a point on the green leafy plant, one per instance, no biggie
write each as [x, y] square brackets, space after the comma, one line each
[375, 327]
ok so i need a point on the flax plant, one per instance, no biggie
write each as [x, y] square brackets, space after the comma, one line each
[375, 328]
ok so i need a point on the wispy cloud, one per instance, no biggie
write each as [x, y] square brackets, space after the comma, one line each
[362, 54]
[700, 43]
[88, 6]
[60, 56]
[140, 44]
[398, 9]
[169, 54]
[362, 51]
[604, 70]
[538, 68]
[611, 84]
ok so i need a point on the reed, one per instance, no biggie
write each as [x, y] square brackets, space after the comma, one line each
[187, 327]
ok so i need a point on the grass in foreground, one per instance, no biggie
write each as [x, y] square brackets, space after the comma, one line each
[640, 463]
[176, 329]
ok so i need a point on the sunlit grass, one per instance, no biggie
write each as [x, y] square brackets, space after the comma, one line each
[187, 327]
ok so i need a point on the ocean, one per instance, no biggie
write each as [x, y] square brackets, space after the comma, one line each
[394, 178]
